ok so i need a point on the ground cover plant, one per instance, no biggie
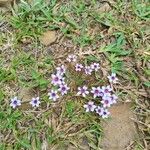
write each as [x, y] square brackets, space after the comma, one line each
[50, 95]
[59, 84]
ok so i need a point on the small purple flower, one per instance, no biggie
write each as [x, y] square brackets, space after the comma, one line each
[15, 102]
[105, 113]
[88, 70]
[78, 67]
[83, 91]
[63, 89]
[95, 66]
[35, 102]
[61, 70]
[113, 98]
[106, 101]
[99, 110]
[101, 93]
[90, 106]
[71, 58]
[96, 91]
[56, 79]
[53, 95]
[106, 89]
[112, 78]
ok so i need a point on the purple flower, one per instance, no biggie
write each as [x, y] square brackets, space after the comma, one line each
[112, 78]
[106, 89]
[101, 93]
[105, 113]
[83, 91]
[99, 110]
[71, 58]
[113, 98]
[106, 101]
[88, 70]
[96, 91]
[78, 67]
[56, 79]
[61, 70]
[95, 66]
[35, 102]
[53, 95]
[15, 102]
[90, 106]
[63, 89]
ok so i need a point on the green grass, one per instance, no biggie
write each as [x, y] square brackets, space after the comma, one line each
[118, 38]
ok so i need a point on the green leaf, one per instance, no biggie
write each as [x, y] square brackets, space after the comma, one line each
[43, 83]
[1, 95]
[25, 143]
[35, 75]
[70, 106]
[92, 58]
[147, 84]
[117, 47]
[117, 66]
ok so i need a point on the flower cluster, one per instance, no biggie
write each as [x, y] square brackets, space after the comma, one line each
[87, 69]
[79, 67]
[104, 95]
[58, 80]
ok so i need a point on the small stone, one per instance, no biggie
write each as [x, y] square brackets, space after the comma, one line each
[25, 95]
[120, 130]
[48, 38]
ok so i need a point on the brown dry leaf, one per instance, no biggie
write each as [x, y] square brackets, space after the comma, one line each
[120, 130]
[48, 38]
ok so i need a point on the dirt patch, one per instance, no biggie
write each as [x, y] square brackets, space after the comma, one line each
[120, 130]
